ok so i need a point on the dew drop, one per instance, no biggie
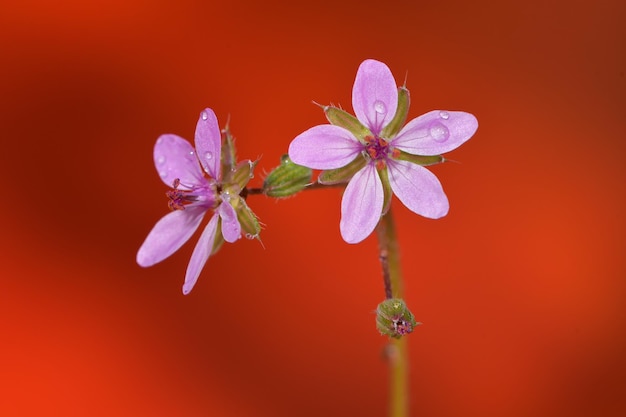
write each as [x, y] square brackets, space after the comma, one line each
[208, 156]
[444, 115]
[380, 107]
[163, 174]
[439, 132]
[204, 115]
[161, 160]
[225, 195]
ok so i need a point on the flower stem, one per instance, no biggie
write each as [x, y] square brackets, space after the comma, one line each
[397, 349]
[313, 186]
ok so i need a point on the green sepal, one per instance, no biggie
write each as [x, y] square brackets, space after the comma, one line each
[418, 159]
[247, 219]
[394, 319]
[387, 191]
[229, 152]
[343, 174]
[394, 126]
[218, 241]
[242, 174]
[341, 118]
[287, 179]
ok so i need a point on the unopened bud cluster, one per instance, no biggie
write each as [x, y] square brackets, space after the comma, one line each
[394, 319]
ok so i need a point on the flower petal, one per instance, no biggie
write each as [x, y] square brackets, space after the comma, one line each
[361, 205]
[324, 147]
[169, 234]
[174, 158]
[209, 143]
[436, 132]
[374, 95]
[231, 229]
[418, 189]
[200, 254]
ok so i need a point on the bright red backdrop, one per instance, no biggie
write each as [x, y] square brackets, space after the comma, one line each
[521, 287]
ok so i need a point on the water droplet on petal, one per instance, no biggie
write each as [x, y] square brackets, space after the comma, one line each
[225, 195]
[380, 107]
[161, 160]
[444, 115]
[439, 132]
[204, 115]
[208, 156]
[163, 174]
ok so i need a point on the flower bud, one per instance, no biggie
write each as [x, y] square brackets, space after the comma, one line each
[287, 179]
[394, 319]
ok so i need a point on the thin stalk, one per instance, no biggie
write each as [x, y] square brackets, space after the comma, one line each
[397, 349]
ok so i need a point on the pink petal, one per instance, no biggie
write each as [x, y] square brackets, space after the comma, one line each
[209, 143]
[418, 189]
[324, 147]
[361, 205]
[436, 132]
[200, 254]
[169, 234]
[374, 95]
[231, 229]
[174, 158]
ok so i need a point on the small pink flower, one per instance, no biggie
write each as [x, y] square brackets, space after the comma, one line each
[192, 195]
[386, 152]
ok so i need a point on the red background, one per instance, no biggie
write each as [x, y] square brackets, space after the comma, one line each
[521, 288]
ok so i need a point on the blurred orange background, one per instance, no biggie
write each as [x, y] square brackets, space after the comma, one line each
[521, 288]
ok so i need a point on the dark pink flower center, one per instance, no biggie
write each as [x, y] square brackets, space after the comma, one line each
[402, 327]
[379, 150]
[179, 198]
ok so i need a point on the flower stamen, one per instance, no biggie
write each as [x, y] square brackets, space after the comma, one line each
[178, 198]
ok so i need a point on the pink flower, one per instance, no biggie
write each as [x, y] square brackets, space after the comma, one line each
[192, 195]
[389, 156]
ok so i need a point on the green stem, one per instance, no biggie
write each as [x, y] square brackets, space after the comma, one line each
[313, 186]
[398, 352]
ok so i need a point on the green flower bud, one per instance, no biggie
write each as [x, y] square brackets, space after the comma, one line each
[394, 126]
[287, 179]
[394, 319]
[341, 118]
[343, 174]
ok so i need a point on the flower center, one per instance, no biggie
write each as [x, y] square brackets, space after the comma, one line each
[379, 150]
[179, 198]
[376, 147]
[402, 327]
